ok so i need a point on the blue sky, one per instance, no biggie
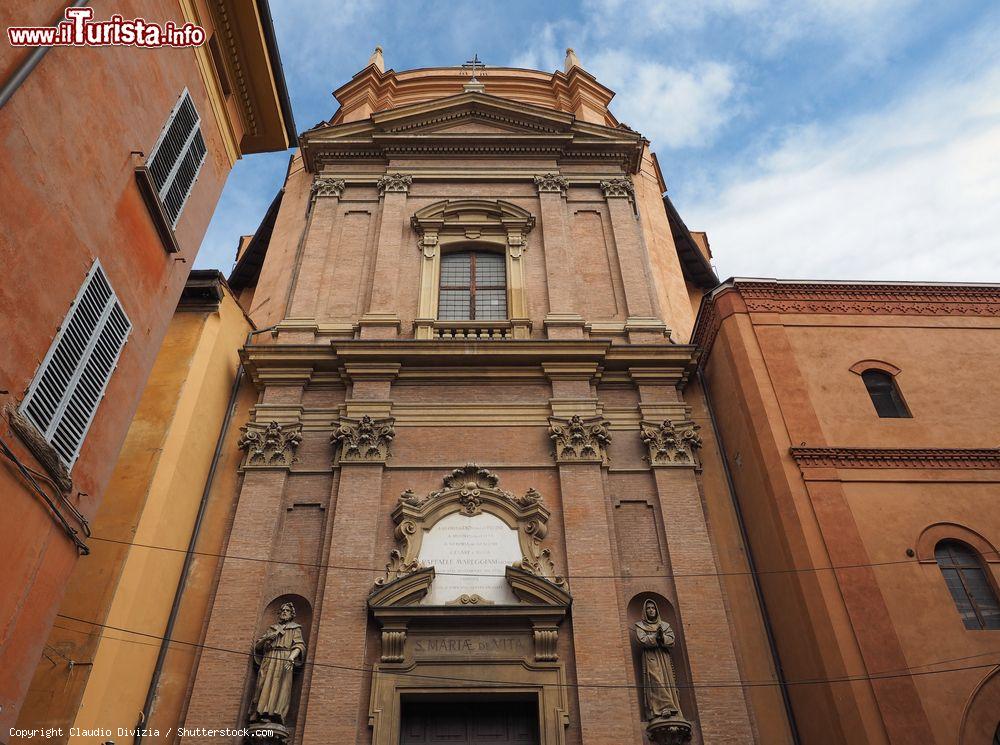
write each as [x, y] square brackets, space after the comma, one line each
[827, 139]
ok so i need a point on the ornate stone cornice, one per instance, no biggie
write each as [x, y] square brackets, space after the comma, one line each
[394, 182]
[580, 439]
[551, 183]
[269, 445]
[323, 186]
[939, 458]
[618, 188]
[671, 444]
[364, 440]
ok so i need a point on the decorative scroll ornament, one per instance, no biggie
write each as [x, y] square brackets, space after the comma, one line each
[579, 439]
[618, 188]
[365, 440]
[551, 183]
[394, 182]
[327, 187]
[671, 444]
[270, 444]
[469, 491]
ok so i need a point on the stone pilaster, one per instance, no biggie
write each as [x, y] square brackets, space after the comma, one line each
[641, 324]
[325, 199]
[562, 321]
[382, 318]
[707, 635]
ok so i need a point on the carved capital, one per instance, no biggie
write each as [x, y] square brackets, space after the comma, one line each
[671, 444]
[269, 445]
[579, 439]
[551, 183]
[365, 440]
[327, 187]
[394, 182]
[618, 188]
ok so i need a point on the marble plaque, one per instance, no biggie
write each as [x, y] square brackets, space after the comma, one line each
[470, 556]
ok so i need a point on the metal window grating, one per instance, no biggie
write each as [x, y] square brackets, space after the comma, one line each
[178, 156]
[473, 287]
[69, 384]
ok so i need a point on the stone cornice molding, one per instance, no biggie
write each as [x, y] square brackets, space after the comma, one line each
[270, 445]
[936, 458]
[580, 439]
[551, 183]
[671, 443]
[324, 186]
[394, 182]
[364, 440]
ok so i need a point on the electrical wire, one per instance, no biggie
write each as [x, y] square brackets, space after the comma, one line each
[567, 576]
[367, 669]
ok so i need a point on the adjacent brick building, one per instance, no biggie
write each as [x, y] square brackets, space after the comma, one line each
[113, 160]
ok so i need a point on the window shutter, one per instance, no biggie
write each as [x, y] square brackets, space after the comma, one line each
[178, 156]
[68, 386]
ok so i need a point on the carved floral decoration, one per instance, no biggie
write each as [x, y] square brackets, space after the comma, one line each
[551, 183]
[579, 439]
[323, 186]
[394, 182]
[671, 444]
[270, 444]
[365, 440]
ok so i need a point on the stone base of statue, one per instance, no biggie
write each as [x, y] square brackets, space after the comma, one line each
[266, 733]
[669, 731]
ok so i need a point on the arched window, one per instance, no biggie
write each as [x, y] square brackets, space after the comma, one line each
[969, 586]
[473, 287]
[884, 394]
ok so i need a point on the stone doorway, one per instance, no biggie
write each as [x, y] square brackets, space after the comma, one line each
[469, 722]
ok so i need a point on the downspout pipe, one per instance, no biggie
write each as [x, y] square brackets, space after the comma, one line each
[30, 63]
[768, 631]
[192, 545]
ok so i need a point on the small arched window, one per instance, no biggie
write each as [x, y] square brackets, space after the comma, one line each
[969, 586]
[885, 394]
[473, 287]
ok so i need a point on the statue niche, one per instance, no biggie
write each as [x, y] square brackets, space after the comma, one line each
[666, 724]
[277, 654]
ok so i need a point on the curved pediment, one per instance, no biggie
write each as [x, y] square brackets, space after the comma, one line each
[463, 214]
[488, 540]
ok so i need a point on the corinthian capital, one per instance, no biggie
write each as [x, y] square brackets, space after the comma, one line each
[269, 445]
[671, 444]
[327, 187]
[618, 188]
[365, 440]
[551, 183]
[394, 182]
[579, 439]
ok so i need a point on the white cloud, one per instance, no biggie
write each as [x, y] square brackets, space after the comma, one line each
[908, 193]
[673, 107]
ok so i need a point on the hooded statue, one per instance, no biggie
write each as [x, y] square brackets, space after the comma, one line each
[281, 649]
[655, 639]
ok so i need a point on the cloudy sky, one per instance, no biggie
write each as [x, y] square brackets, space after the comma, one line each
[828, 139]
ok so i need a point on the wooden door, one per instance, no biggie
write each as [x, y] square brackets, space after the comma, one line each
[469, 722]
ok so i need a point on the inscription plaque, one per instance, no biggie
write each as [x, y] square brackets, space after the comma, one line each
[470, 555]
[464, 646]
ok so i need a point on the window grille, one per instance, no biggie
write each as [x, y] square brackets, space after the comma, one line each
[69, 384]
[178, 156]
[473, 287]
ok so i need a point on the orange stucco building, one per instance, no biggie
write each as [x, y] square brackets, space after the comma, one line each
[113, 160]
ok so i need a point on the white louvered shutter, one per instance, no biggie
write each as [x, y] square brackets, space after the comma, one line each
[178, 156]
[68, 386]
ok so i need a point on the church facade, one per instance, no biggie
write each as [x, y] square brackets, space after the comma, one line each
[520, 470]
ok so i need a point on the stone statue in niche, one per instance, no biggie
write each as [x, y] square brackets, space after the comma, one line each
[659, 684]
[277, 653]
